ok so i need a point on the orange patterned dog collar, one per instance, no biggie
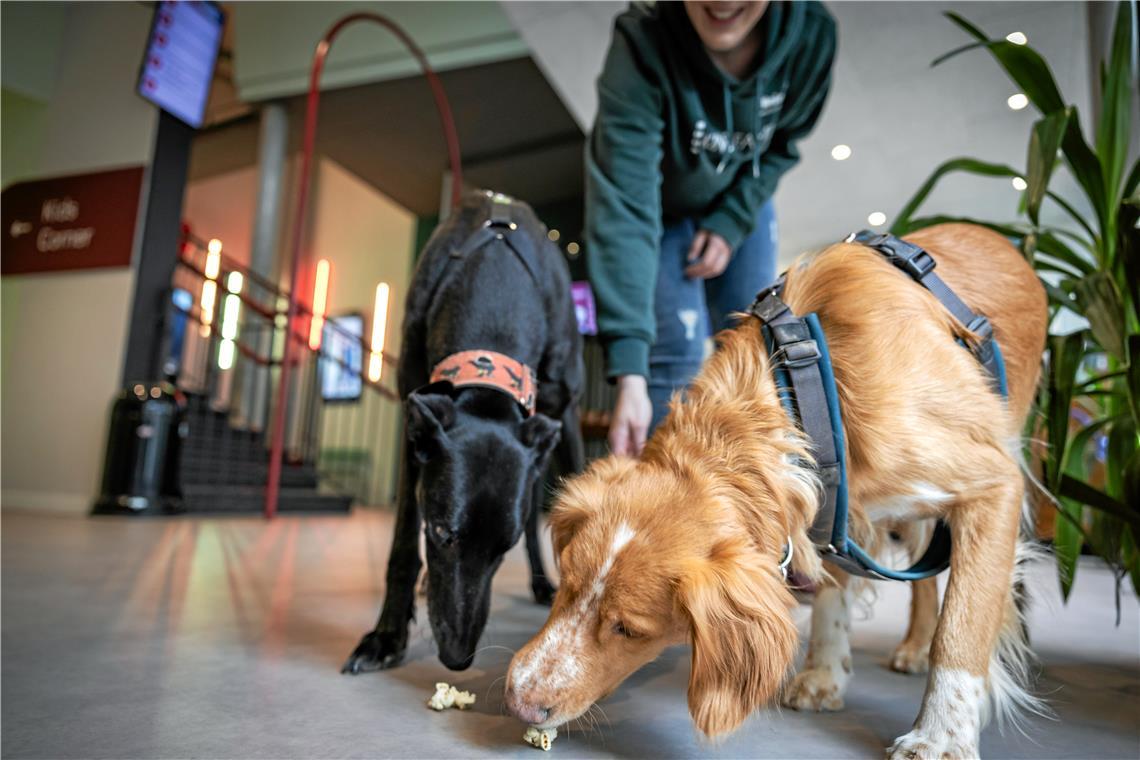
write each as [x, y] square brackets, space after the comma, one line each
[489, 369]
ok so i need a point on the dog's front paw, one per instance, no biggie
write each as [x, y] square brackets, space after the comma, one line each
[815, 689]
[908, 658]
[543, 591]
[937, 745]
[376, 651]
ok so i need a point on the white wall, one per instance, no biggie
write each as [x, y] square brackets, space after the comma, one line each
[31, 34]
[64, 333]
[568, 41]
[275, 42]
[900, 117]
[223, 207]
[367, 238]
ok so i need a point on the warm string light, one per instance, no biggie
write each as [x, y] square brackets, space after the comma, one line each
[320, 296]
[379, 331]
[209, 295]
[231, 317]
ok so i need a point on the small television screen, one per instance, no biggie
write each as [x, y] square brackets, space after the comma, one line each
[185, 37]
[342, 358]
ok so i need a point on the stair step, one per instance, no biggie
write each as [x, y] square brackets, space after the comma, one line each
[251, 474]
[211, 499]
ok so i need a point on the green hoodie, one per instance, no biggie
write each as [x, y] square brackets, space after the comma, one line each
[677, 138]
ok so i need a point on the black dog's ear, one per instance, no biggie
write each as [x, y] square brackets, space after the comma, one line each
[540, 433]
[429, 417]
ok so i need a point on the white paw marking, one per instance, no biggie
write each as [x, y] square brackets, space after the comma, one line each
[950, 720]
[827, 671]
[816, 689]
[920, 746]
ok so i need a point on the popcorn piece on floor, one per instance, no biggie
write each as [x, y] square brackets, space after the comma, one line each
[540, 737]
[447, 696]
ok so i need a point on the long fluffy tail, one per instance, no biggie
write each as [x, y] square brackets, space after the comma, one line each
[1013, 666]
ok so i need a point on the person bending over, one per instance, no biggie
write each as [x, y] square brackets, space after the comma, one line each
[700, 105]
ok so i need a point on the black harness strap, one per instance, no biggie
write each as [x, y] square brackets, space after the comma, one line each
[796, 354]
[801, 366]
[500, 225]
[920, 266]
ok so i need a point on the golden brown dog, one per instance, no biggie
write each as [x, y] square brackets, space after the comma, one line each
[683, 545]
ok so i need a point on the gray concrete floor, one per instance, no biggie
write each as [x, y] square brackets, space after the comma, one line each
[223, 638]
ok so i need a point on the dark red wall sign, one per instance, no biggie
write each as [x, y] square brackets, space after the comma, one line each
[85, 221]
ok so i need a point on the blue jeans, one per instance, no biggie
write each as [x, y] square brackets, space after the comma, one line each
[689, 311]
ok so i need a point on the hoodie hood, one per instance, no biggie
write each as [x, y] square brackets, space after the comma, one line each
[779, 29]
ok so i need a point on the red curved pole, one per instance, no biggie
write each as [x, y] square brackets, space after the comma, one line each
[277, 447]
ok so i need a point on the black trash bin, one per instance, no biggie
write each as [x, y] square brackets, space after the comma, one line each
[140, 469]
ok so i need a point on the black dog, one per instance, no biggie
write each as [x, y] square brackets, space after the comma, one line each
[490, 290]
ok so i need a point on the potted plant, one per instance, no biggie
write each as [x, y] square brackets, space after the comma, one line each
[1090, 266]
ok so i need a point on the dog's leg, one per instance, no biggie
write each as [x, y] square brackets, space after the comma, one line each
[571, 449]
[912, 655]
[821, 683]
[977, 607]
[540, 585]
[384, 646]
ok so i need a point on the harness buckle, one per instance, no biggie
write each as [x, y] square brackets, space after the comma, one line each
[981, 327]
[802, 353]
[984, 351]
[910, 258]
[768, 304]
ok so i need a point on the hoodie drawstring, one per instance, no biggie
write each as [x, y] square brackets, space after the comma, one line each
[755, 131]
[730, 148]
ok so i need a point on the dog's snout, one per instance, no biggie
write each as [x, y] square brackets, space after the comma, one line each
[526, 711]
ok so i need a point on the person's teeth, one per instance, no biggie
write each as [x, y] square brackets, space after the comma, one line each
[723, 15]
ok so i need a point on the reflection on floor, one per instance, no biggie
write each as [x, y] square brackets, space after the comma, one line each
[223, 638]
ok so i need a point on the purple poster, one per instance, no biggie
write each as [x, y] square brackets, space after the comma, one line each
[584, 308]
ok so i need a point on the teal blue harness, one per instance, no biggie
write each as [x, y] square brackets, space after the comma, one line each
[797, 349]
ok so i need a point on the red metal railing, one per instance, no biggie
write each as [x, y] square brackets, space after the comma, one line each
[337, 444]
[319, 56]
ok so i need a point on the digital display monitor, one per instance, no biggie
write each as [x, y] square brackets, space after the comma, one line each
[342, 358]
[185, 37]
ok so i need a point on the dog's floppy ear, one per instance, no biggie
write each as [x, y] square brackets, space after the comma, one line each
[743, 637]
[429, 417]
[582, 496]
[540, 433]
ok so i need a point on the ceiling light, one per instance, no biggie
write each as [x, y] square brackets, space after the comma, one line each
[1019, 183]
[1017, 38]
[1018, 101]
[572, 249]
[841, 152]
[553, 236]
[876, 219]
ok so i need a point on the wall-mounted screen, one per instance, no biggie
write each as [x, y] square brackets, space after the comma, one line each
[180, 55]
[342, 358]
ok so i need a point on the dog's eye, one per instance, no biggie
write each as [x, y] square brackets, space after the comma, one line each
[443, 535]
[621, 630]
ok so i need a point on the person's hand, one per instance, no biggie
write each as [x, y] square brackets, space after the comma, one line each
[632, 413]
[711, 255]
